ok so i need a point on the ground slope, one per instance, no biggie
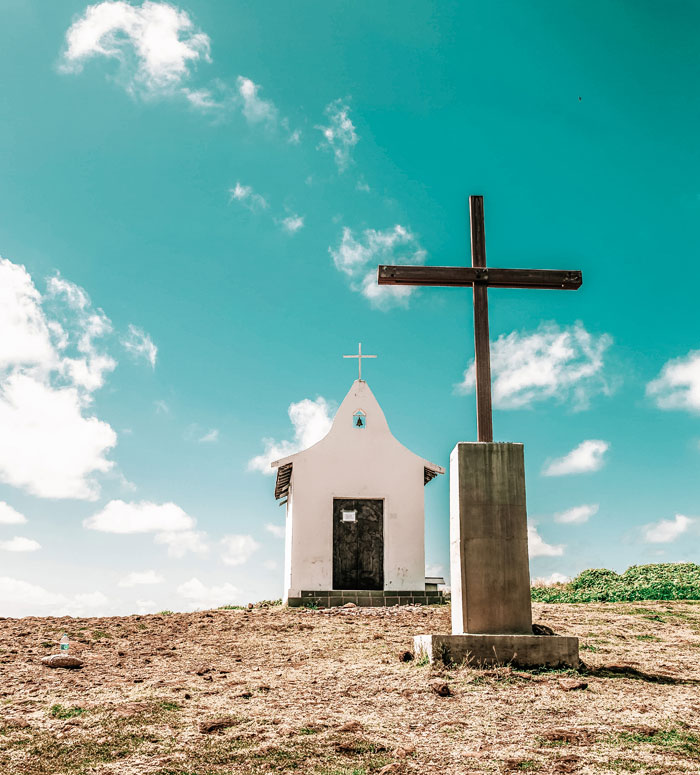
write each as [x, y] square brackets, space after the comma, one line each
[325, 692]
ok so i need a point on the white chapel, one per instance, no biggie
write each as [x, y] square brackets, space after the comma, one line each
[355, 528]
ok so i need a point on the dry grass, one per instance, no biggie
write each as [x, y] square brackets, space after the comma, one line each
[325, 693]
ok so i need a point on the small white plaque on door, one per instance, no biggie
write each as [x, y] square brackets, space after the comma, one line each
[349, 516]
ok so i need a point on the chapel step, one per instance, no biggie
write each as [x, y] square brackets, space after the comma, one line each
[366, 597]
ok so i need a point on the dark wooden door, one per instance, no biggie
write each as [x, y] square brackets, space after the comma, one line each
[358, 545]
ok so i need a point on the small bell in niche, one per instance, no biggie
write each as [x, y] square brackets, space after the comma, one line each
[359, 419]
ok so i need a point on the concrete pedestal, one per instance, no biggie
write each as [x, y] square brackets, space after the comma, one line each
[489, 565]
[517, 650]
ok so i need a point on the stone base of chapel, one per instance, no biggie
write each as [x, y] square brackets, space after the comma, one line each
[489, 650]
[365, 597]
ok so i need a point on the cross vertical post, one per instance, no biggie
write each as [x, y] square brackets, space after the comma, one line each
[482, 350]
[359, 357]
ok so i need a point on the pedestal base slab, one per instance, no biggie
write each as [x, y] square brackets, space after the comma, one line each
[520, 650]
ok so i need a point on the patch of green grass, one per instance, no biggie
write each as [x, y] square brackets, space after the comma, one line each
[659, 581]
[589, 647]
[59, 711]
[625, 765]
[308, 731]
[650, 638]
[99, 634]
[527, 765]
[166, 612]
[231, 608]
[422, 661]
[673, 739]
[167, 705]
[47, 644]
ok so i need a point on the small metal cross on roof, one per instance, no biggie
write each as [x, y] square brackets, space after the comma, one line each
[478, 277]
[359, 357]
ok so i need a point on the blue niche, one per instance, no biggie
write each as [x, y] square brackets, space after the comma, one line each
[359, 419]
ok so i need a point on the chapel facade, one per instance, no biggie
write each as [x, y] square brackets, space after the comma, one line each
[355, 525]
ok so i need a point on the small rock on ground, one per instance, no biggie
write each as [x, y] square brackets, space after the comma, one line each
[61, 660]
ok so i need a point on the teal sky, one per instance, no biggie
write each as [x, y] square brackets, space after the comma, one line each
[220, 178]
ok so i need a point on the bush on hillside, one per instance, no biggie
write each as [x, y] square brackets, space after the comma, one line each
[661, 581]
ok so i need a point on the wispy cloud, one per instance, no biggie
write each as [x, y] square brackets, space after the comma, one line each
[537, 547]
[20, 544]
[678, 384]
[9, 516]
[140, 345]
[311, 421]
[577, 515]
[293, 223]
[339, 136]
[588, 456]
[139, 578]
[155, 44]
[247, 197]
[358, 257]
[180, 542]
[666, 530]
[209, 437]
[564, 363]
[255, 109]
[173, 527]
[277, 531]
[24, 598]
[202, 596]
[238, 549]
[142, 517]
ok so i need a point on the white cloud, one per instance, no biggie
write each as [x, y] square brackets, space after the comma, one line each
[277, 531]
[295, 137]
[9, 516]
[50, 364]
[22, 598]
[678, 385]
[339, 136]
[202, 596]
[564, 363]
[155, 44]
[137, 578]
[588, 456]
[210, 436]
[577, 515]
[255, 109]
[140, 345]
[434, 570]
[667, 530]
[161, 407]
[179, 542]
[143, 517]
[247, 197]
[238, 549]
[20, 544]
[146, 606]
[358, 259]
[293, 223]
[538, 548]
[548, 581]
[311, 420]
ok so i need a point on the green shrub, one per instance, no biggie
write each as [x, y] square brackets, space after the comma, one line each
[661, 581]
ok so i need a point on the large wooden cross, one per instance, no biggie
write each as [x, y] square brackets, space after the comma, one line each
[479, 277]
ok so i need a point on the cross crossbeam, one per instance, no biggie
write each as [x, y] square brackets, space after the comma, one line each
[360, 355]
[480, 279]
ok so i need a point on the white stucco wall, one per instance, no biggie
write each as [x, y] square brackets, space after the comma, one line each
[355, 463]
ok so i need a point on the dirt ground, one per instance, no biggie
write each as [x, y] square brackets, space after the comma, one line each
[325, 692]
